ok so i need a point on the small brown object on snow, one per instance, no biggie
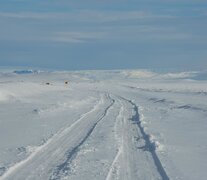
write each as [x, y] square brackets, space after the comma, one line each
[47, 83]
[66, 82]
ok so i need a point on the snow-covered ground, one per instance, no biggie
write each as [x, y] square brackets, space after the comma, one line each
[103, 125]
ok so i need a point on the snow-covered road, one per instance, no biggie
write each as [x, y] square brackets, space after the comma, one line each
[97, 128]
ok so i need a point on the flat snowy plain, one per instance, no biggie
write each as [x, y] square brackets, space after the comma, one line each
[103, 125]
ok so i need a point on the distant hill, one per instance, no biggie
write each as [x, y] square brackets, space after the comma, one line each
[25, 71]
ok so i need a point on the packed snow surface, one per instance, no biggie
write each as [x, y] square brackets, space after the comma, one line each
[103, 125]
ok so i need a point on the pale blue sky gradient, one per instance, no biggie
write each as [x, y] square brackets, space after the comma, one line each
[109, 34]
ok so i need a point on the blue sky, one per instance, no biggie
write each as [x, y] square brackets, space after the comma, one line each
[109, 34]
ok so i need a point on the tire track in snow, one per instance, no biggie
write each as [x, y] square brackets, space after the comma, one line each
[38, 165]
[114, 169]
[148, 145]
[63, 168]
[40, 148]
[94, 157]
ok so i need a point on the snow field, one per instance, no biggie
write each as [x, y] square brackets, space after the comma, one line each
[102, 125]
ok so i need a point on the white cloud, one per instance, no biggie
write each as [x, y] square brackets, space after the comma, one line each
[28, 15]
[87, 16]
[119, 34]
[86, 20]
[77, 37]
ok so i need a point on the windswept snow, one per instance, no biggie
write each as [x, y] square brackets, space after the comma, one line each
[107, 125]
